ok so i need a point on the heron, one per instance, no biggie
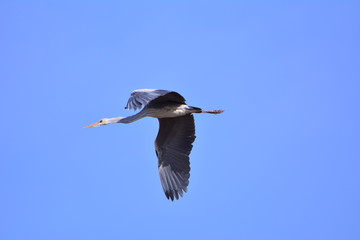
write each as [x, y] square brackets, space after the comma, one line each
[176, 134]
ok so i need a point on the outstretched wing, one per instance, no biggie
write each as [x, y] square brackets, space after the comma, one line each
[139, 98]
[173, 145]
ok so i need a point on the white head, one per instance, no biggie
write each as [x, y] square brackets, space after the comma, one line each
[105, 121]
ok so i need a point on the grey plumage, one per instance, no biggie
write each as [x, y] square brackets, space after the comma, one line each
[173, 146]
[176, 134]
[139, 98]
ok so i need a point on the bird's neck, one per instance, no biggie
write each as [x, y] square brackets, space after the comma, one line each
[129, 119]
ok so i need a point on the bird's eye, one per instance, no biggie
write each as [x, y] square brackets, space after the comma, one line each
[100, 121]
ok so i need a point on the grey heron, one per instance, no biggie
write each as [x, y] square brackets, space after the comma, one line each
[176, 134]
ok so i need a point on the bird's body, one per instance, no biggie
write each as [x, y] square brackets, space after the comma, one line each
[176, 134]
[169, 110]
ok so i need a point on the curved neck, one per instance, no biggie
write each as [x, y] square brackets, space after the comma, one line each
[129, 119]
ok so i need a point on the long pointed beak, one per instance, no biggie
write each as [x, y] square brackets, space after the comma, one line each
[92, 125]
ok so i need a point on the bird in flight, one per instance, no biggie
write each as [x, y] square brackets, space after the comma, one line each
[176, 134]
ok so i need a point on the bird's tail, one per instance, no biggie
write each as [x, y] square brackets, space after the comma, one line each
[212, 111]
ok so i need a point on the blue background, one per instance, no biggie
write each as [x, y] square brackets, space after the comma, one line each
[282, 162]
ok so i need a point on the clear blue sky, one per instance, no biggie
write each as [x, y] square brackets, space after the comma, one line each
[282, 162]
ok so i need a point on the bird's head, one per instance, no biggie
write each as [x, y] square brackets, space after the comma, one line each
[102, 122]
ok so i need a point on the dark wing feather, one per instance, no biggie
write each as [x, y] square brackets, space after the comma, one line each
[173, 146]
[139, 98]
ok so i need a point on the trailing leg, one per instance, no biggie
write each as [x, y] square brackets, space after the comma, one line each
[212, 111]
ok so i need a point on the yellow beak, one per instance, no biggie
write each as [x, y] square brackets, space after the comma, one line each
[92, 125]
